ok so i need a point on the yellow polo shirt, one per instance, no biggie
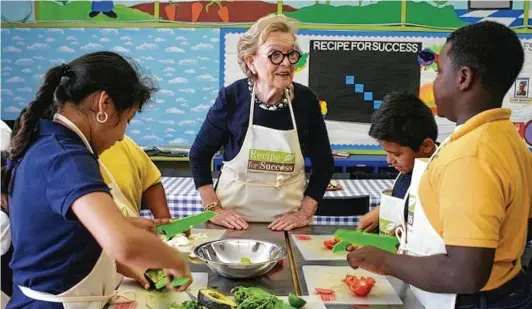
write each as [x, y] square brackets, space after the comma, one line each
[478, 191]
[132, 169]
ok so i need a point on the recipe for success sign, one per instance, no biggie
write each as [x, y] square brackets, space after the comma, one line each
[353, 77]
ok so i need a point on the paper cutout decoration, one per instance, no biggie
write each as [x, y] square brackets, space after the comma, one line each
[426, 58]
[527, 134]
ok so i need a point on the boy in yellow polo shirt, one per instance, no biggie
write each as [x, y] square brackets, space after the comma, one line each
[477, 192]
[137, 176]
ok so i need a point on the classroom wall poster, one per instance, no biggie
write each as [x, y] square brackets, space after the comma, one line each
[377, 73]
[391, 65]
[519, 98]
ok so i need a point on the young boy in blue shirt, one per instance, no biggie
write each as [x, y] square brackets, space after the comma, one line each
[405, 127]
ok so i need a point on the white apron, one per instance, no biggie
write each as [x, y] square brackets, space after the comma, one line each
[391, 211]
[266, 179]
[422, 239]
[98, 287]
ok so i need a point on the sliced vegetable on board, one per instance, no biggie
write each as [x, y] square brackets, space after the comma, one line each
[330, 243]
[326, 294]
[303, 237]
[360, 286]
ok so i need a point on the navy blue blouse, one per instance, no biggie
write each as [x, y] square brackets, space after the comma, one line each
[53, 251]
[227, 122]
[401, 187]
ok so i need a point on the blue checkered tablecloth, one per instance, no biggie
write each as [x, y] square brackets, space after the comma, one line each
[184, 200]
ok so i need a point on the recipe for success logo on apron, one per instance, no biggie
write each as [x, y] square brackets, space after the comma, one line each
[271, 161]
[422, 239]
[266, 178]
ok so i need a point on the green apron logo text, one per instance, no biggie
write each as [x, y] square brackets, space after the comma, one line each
[271, 161]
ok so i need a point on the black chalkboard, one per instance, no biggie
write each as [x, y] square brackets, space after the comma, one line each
[336, 67]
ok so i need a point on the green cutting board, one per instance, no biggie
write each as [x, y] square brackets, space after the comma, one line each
[360, 238]
[181, 225]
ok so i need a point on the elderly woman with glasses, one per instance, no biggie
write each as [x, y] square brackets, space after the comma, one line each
[266, 125]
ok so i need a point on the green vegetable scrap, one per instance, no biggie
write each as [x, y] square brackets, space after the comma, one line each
[245, 260]
[187, 305]
[255, 298]
[295, 301]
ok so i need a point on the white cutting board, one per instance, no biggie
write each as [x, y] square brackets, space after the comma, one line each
[212, 234]
[331, 277]
[315, 250]
[159, 300]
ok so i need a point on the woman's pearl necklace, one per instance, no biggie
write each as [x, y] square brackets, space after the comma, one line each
[270, 107]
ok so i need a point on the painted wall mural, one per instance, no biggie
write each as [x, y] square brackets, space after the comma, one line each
[191, 64]
[425, 13]
[217, 11]
[96, 11]
[346, 12]
[184, 62]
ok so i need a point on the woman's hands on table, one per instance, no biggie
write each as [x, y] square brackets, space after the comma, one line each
[300, 218]
[229, 218]
[224, 217]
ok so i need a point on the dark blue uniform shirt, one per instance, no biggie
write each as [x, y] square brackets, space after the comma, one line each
[53, 251]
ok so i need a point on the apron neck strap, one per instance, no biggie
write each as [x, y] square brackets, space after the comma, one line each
[74, 128]
[252, 108]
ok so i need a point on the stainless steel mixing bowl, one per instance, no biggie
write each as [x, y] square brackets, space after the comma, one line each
[227, 257]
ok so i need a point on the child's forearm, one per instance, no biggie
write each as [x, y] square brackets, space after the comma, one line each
[155, 197]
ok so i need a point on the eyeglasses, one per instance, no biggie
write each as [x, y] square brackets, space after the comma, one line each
[277, 57]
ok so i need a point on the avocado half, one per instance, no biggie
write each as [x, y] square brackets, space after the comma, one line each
[157, 279]
[212, 299]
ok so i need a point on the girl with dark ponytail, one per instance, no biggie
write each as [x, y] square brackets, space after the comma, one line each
[67, 231]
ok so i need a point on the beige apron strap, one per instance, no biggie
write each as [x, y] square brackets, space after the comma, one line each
[287, 94]
[72, 126]
[121, 197]
[47, 297]
[251, 108]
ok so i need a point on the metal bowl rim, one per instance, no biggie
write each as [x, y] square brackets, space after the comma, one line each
[196, 249]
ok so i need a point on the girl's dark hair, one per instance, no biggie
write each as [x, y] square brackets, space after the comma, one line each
[73, 82]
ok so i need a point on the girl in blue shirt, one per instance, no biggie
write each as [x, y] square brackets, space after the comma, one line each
[68, 234]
